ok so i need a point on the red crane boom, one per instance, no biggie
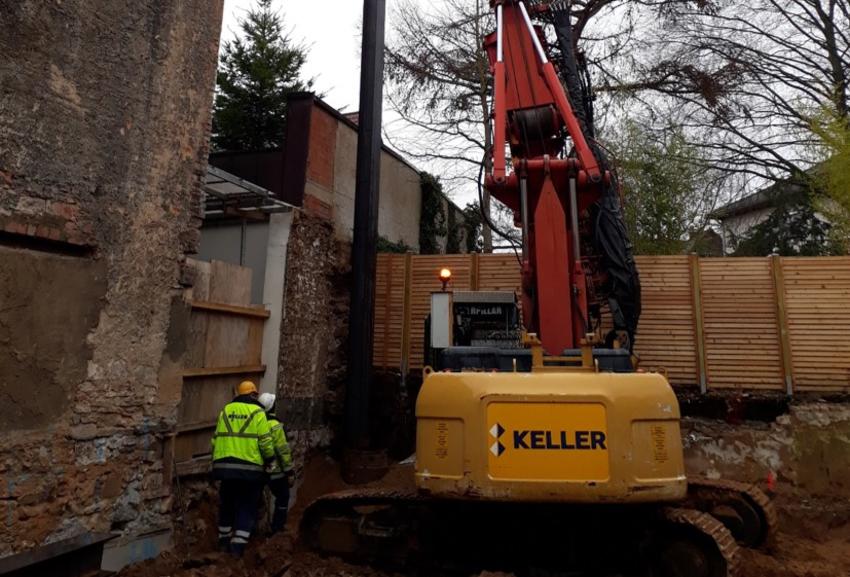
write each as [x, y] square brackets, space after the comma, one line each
[548, 190]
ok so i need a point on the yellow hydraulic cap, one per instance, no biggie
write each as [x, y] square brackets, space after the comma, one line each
[246, 388]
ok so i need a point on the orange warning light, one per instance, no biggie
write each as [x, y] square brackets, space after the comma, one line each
[445, 276]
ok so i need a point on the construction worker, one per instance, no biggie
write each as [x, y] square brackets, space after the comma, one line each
[241, 447]
[280, 471]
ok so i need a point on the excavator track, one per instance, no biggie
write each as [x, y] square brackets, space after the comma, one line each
[694, 544]
[742, 507]
[350, 524]
[401, 528]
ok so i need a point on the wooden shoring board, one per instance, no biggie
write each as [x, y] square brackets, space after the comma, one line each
[225, 347]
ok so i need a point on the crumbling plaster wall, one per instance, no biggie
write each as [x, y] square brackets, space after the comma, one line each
[806, 449]
[104, 123]
[314, 332]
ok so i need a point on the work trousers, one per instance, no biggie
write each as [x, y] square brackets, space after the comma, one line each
[280, 490]
[239, 502]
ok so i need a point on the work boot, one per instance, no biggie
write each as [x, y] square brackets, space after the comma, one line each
[237, 547]
[279, 520]
[224, 535]
[224, 544]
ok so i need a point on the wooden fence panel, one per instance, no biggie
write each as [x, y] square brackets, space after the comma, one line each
[817, 301]
[752, 336]
[499, 272]
[666, 331]
[389, 311]
[741, 332]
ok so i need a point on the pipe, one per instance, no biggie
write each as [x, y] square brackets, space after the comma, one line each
[523, 201]
[574, 220]
[539, 47]
[364, 249]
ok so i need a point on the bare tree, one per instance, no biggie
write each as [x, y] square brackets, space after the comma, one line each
[438, 82]
[747, 79]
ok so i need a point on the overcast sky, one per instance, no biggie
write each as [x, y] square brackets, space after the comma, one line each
[331, 31]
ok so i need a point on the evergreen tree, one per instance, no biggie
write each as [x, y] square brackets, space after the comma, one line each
[256, 73]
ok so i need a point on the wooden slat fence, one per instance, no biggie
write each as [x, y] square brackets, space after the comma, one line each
[773, 324]
[224, 347]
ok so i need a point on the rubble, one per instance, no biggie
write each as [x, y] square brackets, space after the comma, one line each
[814, 542]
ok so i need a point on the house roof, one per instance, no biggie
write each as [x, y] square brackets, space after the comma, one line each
[764, 198]
[768, 196]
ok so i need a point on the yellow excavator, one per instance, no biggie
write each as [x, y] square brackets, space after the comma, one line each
[554, 450]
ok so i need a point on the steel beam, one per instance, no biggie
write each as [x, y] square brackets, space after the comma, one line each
[364, 250]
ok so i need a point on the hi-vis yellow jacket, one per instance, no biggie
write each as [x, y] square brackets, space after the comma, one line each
[283, 454]
[242, 442]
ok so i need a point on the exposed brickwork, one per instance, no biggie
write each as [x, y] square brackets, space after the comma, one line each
[104, 121]
[322, 151]
[50, 220]
[318, 208]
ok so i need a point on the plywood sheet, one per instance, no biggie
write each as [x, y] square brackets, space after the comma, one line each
[229, 283]
[217, 338]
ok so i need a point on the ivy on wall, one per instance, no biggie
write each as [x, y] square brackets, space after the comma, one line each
[472, 223]
[386, 245]
[432, 223]
[441, 219]
[455, 231]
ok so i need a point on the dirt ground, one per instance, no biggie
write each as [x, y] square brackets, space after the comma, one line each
[814, 541]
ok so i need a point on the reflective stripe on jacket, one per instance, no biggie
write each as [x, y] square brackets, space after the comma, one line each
[283, 454]
[242, 440]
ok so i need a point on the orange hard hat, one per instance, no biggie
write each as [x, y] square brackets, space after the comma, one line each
[246, 388]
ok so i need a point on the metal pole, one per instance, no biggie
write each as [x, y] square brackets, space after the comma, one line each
[574, 221]
[523, 210]
[537, 46]
[499, 28]
[363, 253]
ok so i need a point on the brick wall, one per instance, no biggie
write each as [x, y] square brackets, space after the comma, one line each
[104, 121]
[331, 172]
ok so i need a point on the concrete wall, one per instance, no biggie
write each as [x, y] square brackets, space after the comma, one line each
[331, 178]
[806, 449]
[104, 122]
[274, 296]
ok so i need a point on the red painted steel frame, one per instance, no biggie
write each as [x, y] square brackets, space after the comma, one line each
[554, 284]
